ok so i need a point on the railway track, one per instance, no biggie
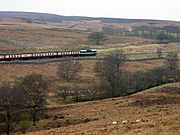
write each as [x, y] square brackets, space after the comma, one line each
[45, 61]
[130, 57]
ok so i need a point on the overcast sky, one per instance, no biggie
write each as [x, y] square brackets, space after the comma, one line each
[139, 9]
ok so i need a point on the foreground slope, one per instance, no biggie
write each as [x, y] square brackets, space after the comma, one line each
[158, 109]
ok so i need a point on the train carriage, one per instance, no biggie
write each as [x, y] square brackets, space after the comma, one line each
[41, 55]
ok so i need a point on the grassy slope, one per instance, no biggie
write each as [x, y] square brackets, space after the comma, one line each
[19, 36]
[159, 107]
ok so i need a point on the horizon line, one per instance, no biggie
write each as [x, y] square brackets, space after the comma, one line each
[96, 17]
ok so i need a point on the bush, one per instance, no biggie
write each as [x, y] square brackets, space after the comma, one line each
[24, 125]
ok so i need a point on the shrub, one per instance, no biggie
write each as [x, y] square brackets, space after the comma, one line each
[24, 125]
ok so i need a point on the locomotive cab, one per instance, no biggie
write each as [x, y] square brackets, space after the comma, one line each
[89, 52]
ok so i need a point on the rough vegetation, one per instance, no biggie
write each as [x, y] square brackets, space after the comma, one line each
[158, 108]
[42, 91]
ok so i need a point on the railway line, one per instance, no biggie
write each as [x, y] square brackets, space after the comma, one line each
[130, 57]
[46, 61]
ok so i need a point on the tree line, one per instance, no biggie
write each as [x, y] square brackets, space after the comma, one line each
[158, 34]
[116, 81]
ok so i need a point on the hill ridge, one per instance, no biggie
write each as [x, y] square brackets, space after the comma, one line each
[54, 18]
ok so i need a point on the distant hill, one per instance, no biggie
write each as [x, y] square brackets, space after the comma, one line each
[32, 16]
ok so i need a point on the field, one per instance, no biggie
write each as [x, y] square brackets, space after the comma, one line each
[159, 107]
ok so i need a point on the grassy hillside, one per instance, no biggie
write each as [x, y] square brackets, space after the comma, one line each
[159, 109]
[33, 32]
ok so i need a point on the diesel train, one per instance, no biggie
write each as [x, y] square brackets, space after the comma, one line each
[42, 55]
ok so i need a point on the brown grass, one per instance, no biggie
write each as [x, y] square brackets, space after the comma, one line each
[159, 107]
[161, 116]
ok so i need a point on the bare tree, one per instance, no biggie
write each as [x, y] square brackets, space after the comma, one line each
[172, 69]
[90, 92]
[96, 37]
[172, 61]
[116, 58]
[159, 53]
[35, 90]
[77, 93]
[11, 100]
[63, 91]
[110, 71]
[69, 70]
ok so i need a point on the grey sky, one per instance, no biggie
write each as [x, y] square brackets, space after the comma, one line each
[141, 9]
